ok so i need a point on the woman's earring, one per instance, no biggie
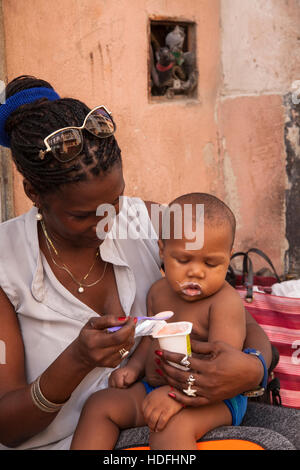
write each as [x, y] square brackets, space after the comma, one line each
[38, 216]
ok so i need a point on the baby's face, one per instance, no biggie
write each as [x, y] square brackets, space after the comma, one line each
[197, 274]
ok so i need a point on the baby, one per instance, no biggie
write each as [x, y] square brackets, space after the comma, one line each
[194, 288]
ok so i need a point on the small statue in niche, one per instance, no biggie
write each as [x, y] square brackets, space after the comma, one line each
[174, 41]
[175, 70]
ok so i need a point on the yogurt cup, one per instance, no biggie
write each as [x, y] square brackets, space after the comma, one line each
[175, 337]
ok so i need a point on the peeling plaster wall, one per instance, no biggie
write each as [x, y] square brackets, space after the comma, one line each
[260, 46]
[260, 62]
[292, 140]
[254, 172]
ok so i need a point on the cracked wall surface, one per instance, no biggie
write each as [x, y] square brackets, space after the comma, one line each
[292, 143]
[260, 62]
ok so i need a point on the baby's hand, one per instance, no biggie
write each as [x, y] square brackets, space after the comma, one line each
[158, 408]
[123, 377]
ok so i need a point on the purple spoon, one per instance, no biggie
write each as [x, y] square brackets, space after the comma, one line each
[159, 316]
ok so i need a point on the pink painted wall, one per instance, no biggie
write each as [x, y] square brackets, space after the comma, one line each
[98, 52]
[253, 160]
[228, 141]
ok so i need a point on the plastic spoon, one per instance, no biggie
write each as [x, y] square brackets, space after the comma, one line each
[159, 316]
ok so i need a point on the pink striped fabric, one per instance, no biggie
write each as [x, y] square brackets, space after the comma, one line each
[280, 319]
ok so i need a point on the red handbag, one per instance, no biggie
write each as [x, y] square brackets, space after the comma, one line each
[280, 319]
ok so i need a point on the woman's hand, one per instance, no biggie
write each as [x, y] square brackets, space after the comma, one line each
[220, 372]
[96, 347]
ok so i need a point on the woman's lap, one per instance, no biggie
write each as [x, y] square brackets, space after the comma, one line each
[272, 427]
[285, 421]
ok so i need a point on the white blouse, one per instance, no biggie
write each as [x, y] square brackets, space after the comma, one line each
[51, 317]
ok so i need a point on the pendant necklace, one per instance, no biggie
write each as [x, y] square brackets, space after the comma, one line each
[81, 284]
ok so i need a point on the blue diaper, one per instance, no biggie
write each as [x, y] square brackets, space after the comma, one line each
[148, 387]
[237, 407]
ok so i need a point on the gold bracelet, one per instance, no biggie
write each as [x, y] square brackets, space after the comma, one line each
[38, 403]
[41, 401]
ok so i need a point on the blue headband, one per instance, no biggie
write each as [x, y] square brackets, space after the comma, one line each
[22, 97]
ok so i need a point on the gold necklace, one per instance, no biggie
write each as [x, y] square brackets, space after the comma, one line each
[81, 285]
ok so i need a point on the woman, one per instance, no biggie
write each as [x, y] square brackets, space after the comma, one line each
[59, 290]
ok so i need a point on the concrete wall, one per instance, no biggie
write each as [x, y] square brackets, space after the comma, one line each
[229, 141]
[260, 62]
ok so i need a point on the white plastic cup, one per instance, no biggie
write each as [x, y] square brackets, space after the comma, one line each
[176, 341]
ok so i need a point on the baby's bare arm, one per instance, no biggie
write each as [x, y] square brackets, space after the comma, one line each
[227, 318]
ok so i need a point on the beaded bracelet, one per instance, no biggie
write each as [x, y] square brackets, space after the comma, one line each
[40, 401]
[261, 389]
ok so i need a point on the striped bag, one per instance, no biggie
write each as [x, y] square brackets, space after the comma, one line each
[280, 319]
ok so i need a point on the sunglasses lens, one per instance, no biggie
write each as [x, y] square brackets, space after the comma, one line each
[66, 144]
[100, 124]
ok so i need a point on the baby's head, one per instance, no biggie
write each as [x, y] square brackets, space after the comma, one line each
[196, 273]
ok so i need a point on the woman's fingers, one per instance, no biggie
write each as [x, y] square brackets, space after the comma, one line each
[199, 369]
[177, 376]
[106, 321]
[189, 401]
[98, 347]
[109, 357]
[220, 371]
[200, 351]
[204, 350]
[202, 361]
[106, 339]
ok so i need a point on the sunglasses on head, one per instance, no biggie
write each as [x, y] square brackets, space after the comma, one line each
[66, 143]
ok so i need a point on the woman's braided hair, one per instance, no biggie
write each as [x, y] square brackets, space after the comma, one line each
[31, 123]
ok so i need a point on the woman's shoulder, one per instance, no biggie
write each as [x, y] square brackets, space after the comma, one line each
[9, 226]
[144, 213]
[12, 255]
[132, 201]
[17, 219]
[16, 234]
[16, 224]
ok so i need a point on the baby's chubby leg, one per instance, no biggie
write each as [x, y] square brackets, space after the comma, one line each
[105, 413]
[189, 425]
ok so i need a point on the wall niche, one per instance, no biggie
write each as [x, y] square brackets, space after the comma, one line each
[173, 70]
